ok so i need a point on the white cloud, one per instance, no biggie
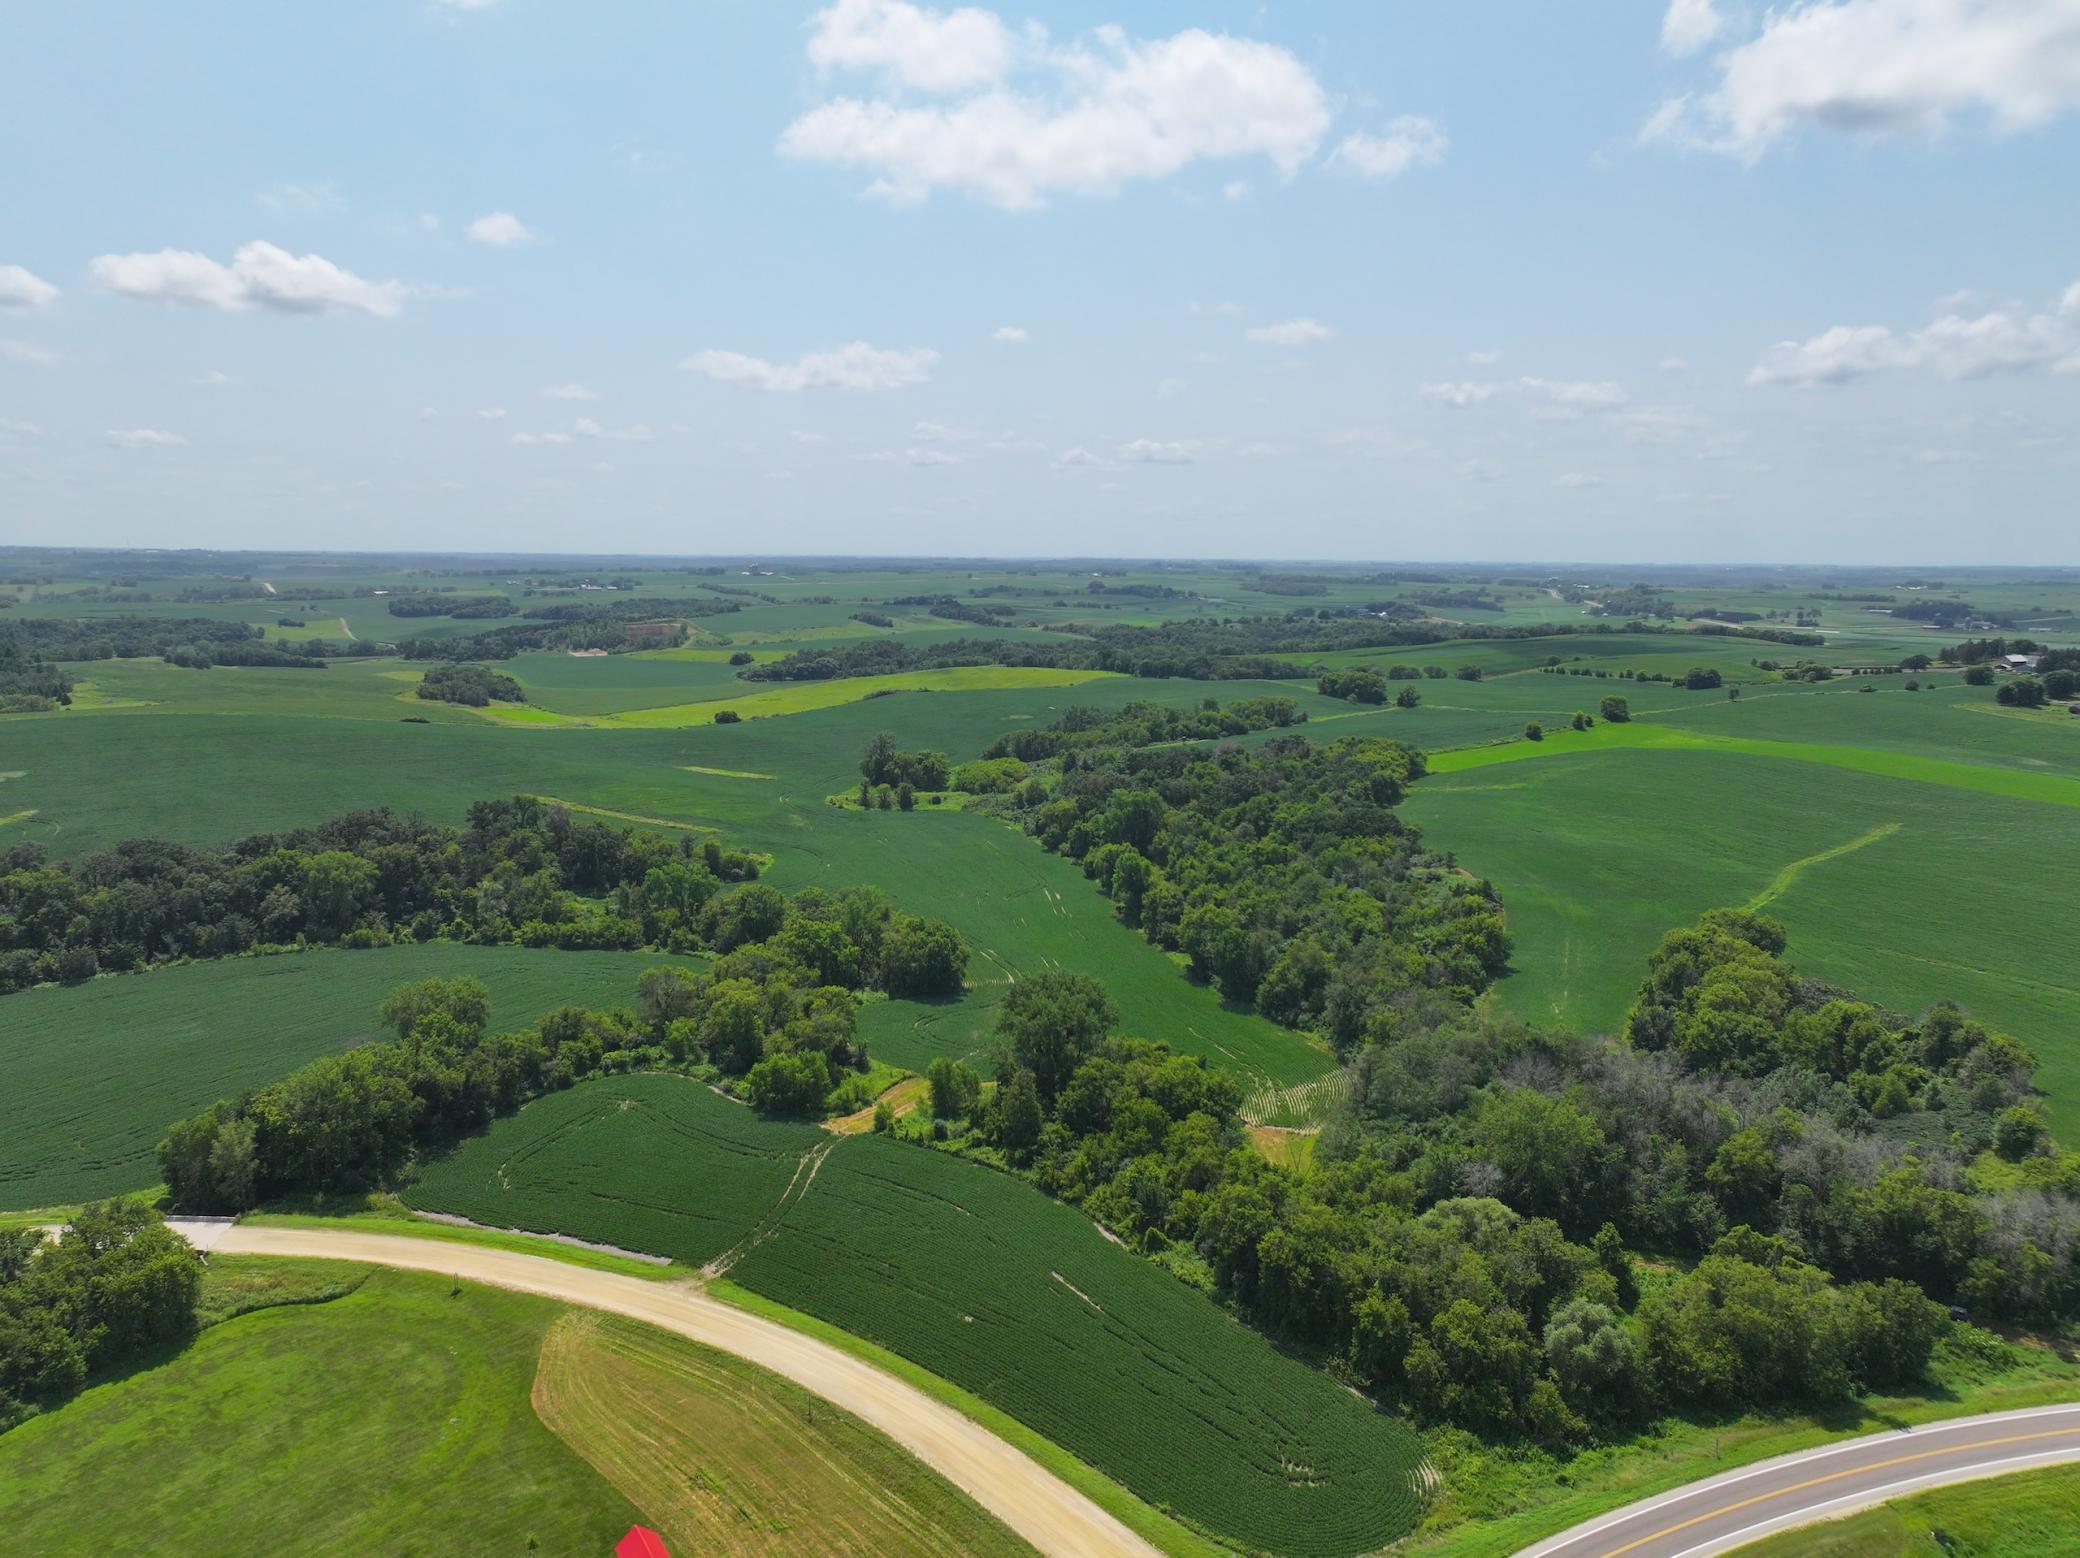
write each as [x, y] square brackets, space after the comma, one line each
[540, 440]
[216, 378]
[302, 199]
[492, 413]
[20, 288]
[1561, 397]
[1689, 26]
[28, 352]
[567, 392]
[585, 427]
[9, 428]
[1411, 141]
[467, 5]
[1884, 67]
[2009, 340]
[1150, 451]
[260, 275]
[145, 438]
[1662, 424]
[1485, 359]
[856, 366]
[1577, 479]
[934, 51]
[1010, 335]
[1077, 459]
[1291, 332]
[1086, 119]
[500, 230]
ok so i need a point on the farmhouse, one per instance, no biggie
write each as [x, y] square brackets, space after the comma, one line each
[2018, 663]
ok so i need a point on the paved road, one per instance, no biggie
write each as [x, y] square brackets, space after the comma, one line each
[1730, 1511]
[1035, 1503]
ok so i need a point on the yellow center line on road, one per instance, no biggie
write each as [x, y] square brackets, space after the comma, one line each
[1836, 1476]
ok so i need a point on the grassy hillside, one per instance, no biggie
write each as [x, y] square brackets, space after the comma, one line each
[94, 1073]
[972, 1274]
[395, 1419]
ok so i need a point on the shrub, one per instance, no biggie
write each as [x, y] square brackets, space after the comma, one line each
[728, 717]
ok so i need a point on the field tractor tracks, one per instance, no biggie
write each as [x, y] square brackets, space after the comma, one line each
[804, 1176]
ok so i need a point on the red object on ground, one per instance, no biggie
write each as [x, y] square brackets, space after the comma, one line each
[641, 1542]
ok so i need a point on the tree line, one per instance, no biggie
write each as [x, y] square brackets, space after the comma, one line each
[520, 872]
[1469, 1241]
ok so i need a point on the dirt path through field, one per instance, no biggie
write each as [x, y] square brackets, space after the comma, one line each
[1035, 1503]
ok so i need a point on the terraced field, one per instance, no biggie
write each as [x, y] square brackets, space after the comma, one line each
[972, 1274]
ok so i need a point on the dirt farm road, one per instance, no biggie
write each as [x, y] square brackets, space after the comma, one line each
[1032, 1501]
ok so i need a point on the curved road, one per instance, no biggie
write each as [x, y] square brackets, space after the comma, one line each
[1730, 1511]
[1035, 1503]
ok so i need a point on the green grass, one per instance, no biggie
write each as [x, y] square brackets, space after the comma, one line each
[1902, 890]
[94, 1073]
[393, 1419]
[2022, 1515]
[972, 1275]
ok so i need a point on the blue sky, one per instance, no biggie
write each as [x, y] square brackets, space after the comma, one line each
[1378, 279]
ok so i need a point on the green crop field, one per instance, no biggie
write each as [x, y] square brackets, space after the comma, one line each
[972, 1274]
[2021, 1515]
[94, 1073]
[1598, 852]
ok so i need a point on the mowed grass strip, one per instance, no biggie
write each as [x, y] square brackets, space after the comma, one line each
[2012, 784]
[2021, 1515]
[725, 1458]
[973, 1275]
[94, 1073]
[395, 1419]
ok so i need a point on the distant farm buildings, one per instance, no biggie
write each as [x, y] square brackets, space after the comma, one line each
[2018, 663]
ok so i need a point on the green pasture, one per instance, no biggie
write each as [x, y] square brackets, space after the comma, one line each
[971, 1274]
[2021, 1515]
[94, 1073]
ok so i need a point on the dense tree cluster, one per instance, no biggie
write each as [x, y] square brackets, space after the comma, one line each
[882, 764]
[1466, 1240]
[198, 641]
[522, 871]
[1145, 724]
[475, 686]
[1358, 684]
[464, 607]
[1283, 873]
[114, 1283]
[29, 685]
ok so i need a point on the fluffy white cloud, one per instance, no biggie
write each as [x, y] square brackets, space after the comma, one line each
[567, 392]
[1577, 479]
[500, 230]
[856, 366]
[145, 438]
[1562, 397]
[1484, 359]
[20, 288]
[1689, 26]
[1291, 332]
[1999, 341]
[540, 440]
[492, 413]
[1087, 119]
[1010, 335]
[260, 275]
[1410, 142]
[9, 428]
[1877, 67]
[467, 5]
[934, 51]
